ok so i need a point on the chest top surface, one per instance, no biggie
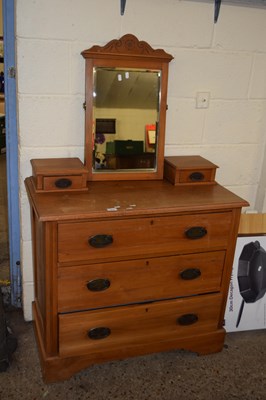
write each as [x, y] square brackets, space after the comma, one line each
[130, 198]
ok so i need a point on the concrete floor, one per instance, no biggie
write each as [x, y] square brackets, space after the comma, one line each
[238, 372]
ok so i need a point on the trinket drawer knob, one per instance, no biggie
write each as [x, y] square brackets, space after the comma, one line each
[63, 183]
[196, 176]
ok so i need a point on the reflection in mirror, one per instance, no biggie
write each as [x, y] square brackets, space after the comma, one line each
[126, 104]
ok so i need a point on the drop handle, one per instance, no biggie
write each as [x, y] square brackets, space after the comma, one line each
[100, 241]
[98, 285]
[196, 176]
[99, 333]
[187, 319]
[190, 274]
[63, 183]
[196, 232]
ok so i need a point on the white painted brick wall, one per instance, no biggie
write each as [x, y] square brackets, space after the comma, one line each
[258, 81]
[241, 29]
[264, 203]
[224, 74]
[227, 59]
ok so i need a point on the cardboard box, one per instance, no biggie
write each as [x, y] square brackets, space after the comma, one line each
[254, 312]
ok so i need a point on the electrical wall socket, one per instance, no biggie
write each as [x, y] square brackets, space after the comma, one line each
[202, 99]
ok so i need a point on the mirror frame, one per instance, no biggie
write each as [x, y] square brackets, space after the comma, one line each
[126, 52]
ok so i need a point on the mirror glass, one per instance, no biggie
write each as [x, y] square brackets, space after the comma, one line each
[126, 106]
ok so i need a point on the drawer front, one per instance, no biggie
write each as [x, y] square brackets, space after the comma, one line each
[63, 183]
[124, 282]
[97, 331]
[142, 237]
[196, 176]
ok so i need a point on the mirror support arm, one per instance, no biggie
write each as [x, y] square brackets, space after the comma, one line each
[122, 7]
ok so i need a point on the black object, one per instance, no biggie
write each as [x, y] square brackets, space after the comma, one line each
[251, 274]
[196, 176]
[217, 5]
[99, 333]
[190, 273]
[98, 285]
[187, 319]
[63, 183]
[105, 125]
[125, 147]
[196, 232]
[99, 241]
[122, 6]
[2, 133]
[8, 342]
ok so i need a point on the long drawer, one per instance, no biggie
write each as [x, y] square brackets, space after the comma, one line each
[97, 331]
[142, 237]
[124, 282]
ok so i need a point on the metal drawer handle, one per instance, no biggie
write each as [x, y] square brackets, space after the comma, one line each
[63, 183]
[196, 232]
[190, 273]
[196, 176]
[99, 241]
[98, 285]
[187, 319]
[99, 333]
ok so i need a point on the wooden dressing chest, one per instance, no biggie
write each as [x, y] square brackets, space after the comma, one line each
[130, 268]
[126, 262]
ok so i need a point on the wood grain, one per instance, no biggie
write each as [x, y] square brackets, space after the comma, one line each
[149, 198]
[137, 324]
[252, 224]
[138, 281]
[142, 237]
